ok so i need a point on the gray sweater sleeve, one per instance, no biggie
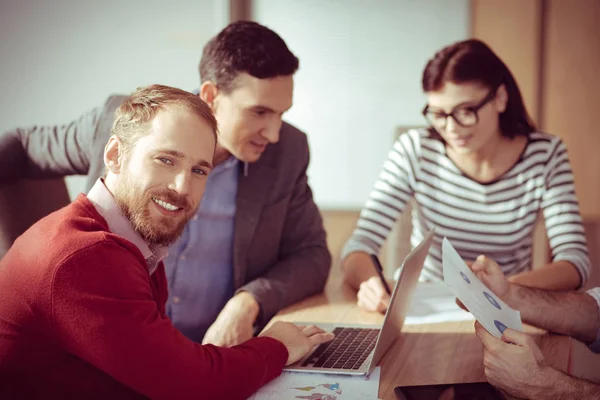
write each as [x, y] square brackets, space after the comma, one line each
[56, 151]
[48, 151]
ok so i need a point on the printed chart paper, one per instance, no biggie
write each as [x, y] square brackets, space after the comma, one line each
[491, 312]
[309, 386]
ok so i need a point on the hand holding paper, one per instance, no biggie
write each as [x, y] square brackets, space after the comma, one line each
[486, 307]
[490, 274]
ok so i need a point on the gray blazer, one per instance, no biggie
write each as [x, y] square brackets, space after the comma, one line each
[280, 252]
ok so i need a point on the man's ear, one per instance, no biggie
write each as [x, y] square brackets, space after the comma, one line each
[208, 93]
[113, 155]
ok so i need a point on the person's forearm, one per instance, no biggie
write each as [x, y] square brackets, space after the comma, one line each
[51, 151]
[559, 386]
[569, 313]
[561, 275]
[357, 268]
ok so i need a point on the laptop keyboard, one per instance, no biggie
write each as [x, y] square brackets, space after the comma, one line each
[348, 350]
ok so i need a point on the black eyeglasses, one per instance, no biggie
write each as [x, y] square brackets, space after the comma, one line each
[464, 116]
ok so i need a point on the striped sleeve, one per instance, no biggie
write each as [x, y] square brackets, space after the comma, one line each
[560, 206]
[595, 293]
[388, 198]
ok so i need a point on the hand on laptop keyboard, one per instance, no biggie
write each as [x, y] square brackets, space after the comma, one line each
[298, 340]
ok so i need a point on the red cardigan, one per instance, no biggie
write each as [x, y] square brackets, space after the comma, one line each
[80, 317]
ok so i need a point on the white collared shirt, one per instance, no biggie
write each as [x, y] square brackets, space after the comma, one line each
[595, 293]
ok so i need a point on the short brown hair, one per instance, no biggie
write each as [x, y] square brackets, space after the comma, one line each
[134, 114]
[245, 46]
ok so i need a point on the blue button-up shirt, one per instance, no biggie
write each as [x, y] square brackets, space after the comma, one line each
[200, 264]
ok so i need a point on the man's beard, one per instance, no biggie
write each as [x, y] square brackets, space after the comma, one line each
[135, 204]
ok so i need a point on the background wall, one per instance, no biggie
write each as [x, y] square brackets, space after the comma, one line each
[61, 58]
[359, 76]
[520, 47]
[360, 71]
[570, 91]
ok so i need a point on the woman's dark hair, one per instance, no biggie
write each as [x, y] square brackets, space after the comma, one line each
[245, 46]
[473, 61]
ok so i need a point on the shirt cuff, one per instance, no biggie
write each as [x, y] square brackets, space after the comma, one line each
[595, 293]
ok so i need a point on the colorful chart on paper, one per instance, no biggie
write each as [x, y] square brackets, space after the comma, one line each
[309, 386]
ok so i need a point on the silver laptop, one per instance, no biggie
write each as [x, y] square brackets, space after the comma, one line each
[357, 349]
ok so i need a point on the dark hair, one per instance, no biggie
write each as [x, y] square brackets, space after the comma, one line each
[245, 46]
[473, 61]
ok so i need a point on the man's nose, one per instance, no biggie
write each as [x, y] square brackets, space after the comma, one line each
[271, 132]
[181, 183]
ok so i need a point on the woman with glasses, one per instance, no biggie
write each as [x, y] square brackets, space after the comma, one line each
[480, 174]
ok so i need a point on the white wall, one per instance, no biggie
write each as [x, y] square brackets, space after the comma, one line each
[359, 77]
[61, 58]
[360, 72]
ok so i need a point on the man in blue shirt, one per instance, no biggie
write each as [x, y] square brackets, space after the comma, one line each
[257, 242]
[200, 262]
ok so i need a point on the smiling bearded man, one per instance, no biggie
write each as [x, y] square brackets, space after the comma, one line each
[83, 291]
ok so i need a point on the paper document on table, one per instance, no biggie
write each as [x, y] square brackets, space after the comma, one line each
[491, 312]
[299, 385]
[434, 302]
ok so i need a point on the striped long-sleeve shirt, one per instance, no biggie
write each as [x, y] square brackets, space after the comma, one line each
[496, 219]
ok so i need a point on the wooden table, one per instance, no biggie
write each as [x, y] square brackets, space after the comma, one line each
[425, 354]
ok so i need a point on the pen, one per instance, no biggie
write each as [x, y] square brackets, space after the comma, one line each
[380, 273]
